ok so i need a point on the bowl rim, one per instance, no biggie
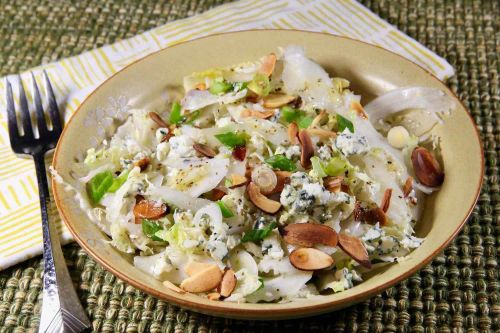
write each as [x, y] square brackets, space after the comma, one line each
[301, 309]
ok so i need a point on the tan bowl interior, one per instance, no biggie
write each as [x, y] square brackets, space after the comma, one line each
[371, 70]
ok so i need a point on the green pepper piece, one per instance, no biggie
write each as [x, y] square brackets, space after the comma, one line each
[231, 139]
[118, 182]
[318, 167]
[305, 122]
[150, 228]
[99, 185]
[281, 162]
[255, 235]
[336, 167]
[260, 85]
[175, 114]
[220, 87]
[344, 123]
[226, 212]
[289, 114]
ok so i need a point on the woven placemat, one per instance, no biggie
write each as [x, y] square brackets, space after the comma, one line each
[457, 292]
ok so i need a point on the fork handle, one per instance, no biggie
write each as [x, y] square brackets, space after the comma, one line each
[61, 308]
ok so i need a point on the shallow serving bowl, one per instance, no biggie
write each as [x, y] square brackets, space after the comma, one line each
[371, 70]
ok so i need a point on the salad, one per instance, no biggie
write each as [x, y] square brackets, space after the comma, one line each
[267, 181]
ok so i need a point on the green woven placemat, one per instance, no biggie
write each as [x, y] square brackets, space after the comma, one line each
[457, 292]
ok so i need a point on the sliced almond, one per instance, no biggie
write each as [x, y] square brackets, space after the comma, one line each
[408, 186]
[170, 133]
[309, 234]
[268, 64]
[355, 249]
[386, 200]
[333, 184]
[370, 215]
[277, 100]
[204, 150]
[237, 180]
[358, 212]
[358, 108]
[318, 119]
[142, 163]
[376, 214]
[200, 86]
[293, 131]
[228, 283]
[203, 281]
[213, 296]
[173, 287]
[306, 149]
[426, 167]
[282, 178]
[310, 259]
[261, 201]
[149, 209]
[216, 194]
[256, 114]
[157, 119]
[194, 267]
[252, 97]
[322, 133]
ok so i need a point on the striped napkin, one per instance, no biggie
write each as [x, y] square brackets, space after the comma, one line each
[74, 78]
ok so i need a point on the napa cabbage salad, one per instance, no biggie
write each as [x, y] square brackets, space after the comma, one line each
[267, 181]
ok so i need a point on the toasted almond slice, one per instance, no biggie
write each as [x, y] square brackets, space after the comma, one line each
[322, 133]
[203, 281]
[170, 133]
[277, 100]
[237, 180]
[252, 97]
[306, 149]
[200, 86]
[193, 267]
[375, 215]
[333, 184]
[386, 200]
[268, 64]
[282, 178]
[261, 201]
[173, 287]
[228, 283]
[157, 119]
[142, 163]
[149, 209]
[358, 108]
[213, 296]
[358, 212]
[204, 150]
[310, 259]
[317, 119]
[216, 194]
[355, 249]
[293, 131]
[256, 114]
[309, 234]
[426, 167]
[408, 186]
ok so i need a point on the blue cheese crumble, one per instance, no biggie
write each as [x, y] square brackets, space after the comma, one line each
[350, 143]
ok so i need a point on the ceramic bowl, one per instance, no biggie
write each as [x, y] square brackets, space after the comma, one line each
[371, 70]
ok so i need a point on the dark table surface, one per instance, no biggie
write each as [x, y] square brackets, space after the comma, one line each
[457, 292]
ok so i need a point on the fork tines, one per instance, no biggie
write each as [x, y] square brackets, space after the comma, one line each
[20, 142]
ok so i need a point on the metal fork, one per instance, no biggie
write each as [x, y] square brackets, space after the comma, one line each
[61, 308]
